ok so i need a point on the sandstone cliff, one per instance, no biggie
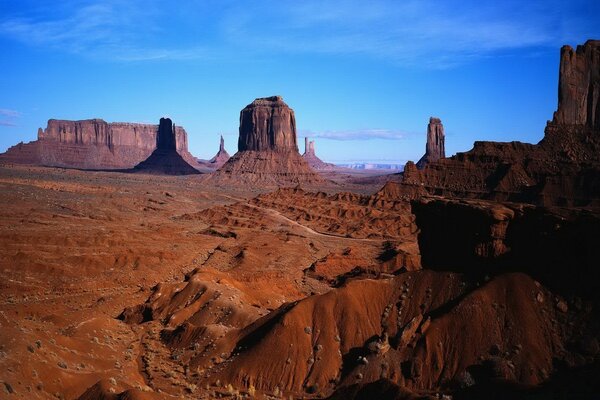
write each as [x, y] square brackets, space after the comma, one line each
[563, 169]
[578, 86]
[93, 144]
[267, 124]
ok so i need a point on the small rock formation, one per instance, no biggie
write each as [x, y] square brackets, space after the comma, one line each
[267, 148]
[165, 159]
[312, 159]
[562, 169]
[434, 149]
[221, 157]
[92, 144]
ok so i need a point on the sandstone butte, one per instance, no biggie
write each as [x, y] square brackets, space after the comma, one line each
[93, 144]
[267, 148]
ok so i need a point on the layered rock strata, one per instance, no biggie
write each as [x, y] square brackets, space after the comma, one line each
[267, 148]
[93, 144]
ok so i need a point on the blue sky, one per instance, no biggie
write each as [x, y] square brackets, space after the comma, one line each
[363, 77]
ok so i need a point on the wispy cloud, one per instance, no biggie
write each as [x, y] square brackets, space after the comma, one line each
[8, 117]
[427, 33]
[9, 113]
[358, 134]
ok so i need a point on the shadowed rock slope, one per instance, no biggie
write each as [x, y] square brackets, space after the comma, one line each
[165, 159]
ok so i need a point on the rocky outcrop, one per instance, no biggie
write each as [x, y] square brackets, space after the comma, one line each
[563, 169]
[579, 86]
[165, 159]
[93, 144]
[311, 157]
[221, 157]
[267, 124]
[435, 147]
[267, 149]
[478, 236]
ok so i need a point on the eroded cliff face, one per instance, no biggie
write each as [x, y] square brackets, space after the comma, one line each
[579, 86]
[267, 124]
[563, 169]
[93, 144]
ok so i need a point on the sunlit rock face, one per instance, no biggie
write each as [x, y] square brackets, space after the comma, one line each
[267, 124]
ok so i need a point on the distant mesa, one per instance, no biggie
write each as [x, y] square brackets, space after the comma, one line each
[93, 144]
[219, 159]
[562, 169]
[312, 159]
[435, 147]
[267, 148]
[165, 160]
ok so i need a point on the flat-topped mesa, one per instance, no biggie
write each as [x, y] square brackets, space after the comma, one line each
[435, 147]
[579, 86]
[267, 124]
[94, 144]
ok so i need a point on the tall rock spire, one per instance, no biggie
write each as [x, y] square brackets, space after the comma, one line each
[578, 86]
[435, 147]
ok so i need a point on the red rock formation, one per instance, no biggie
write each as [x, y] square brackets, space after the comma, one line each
[221, 157]
[311, 157]
[563, 169]
[267, 149]
[92, 144]
[165, 159]
[434, 149]
[578, 86]
[267, 124]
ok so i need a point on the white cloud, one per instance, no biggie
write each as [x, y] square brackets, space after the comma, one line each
[425, 33]
[8, 117]
[357, 134]
[9, 113]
